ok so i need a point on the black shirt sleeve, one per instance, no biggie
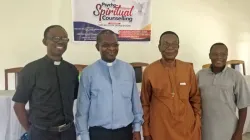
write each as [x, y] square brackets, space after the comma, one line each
[76, 84]
[26, 82]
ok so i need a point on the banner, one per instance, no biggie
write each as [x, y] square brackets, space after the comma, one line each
[129, 19]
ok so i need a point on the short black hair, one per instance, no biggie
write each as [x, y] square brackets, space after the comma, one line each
[168, 33]
[218, 44]
[102, 32]
[46, 31]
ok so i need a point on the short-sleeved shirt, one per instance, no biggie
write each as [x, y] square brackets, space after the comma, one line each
[221, 95]
[50, 87]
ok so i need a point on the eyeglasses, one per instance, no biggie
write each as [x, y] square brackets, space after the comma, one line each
[107, 46]
[165, 46]
[58, 39]
[216, 55]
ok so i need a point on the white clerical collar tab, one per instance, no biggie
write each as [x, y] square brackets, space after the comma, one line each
[109, 64]
[57, 62]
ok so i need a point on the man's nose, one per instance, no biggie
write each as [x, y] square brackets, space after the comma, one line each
[111, 47]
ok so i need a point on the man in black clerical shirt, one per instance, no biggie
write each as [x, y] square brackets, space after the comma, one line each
[50, 86]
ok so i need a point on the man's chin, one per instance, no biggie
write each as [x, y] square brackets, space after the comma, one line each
[169, 58]
[219, 65]
[58, 54]
[111, 59]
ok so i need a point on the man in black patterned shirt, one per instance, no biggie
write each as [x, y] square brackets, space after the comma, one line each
[50, 85]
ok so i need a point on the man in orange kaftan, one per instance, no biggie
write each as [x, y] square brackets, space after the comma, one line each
[170, 97]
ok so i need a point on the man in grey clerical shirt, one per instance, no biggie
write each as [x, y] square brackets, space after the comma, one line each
[108, 106]
[223, 89]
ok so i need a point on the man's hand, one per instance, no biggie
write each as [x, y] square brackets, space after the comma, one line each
[147, 138]
[237, 136]
[136, 136]
[22, 115]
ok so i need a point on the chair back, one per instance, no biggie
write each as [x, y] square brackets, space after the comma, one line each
[80, 67]
[16, 71]
[206, 66]
[139, 67]
[232, 64]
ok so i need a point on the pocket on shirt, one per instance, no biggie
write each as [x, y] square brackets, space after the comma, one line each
[184, 90]
[98, 86]
[226, 87]
[94, 93]
[226, 92]
[42, 90]
[126, 88]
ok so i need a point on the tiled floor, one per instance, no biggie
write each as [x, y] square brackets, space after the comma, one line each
[246, 136]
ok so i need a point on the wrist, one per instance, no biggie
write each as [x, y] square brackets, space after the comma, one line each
[27, 128]
[239, 130]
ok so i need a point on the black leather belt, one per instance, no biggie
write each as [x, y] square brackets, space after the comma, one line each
[59, 128]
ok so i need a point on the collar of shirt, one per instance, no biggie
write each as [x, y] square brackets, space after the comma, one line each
[106, 63]
[52, 61]
[165, 64]
[210, 69]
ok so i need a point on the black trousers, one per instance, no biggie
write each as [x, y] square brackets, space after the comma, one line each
[38, 134]
[100, 133]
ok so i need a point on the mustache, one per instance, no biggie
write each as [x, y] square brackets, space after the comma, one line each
[61, 44]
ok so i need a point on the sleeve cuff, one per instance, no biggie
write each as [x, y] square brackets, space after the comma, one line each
[243, 106]
[137, 127]
[83, 137]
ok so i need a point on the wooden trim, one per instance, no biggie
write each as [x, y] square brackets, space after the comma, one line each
[235, 62]
[80, 67]
[139, 64]
[6, 80]
[244, 68]
[206, 66]
[11, 70]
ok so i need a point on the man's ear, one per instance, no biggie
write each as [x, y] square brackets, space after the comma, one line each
[44, 42]
[97, 46]
[209, 55]
[159, 47]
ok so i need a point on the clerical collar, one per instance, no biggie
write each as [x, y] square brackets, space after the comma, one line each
[109, 64]
[57, 62]
[52, 61]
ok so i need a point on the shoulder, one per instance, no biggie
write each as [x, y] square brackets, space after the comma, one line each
[124, 64]
[203, 71]
[32, 66]
[184, 64]
[90, 68]
[185, 67]
[71, 66]
[234, 73]
[152, 66]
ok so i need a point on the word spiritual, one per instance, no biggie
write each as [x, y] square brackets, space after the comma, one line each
[113, 12]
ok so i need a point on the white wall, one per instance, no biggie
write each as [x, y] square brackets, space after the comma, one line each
[198, 23]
